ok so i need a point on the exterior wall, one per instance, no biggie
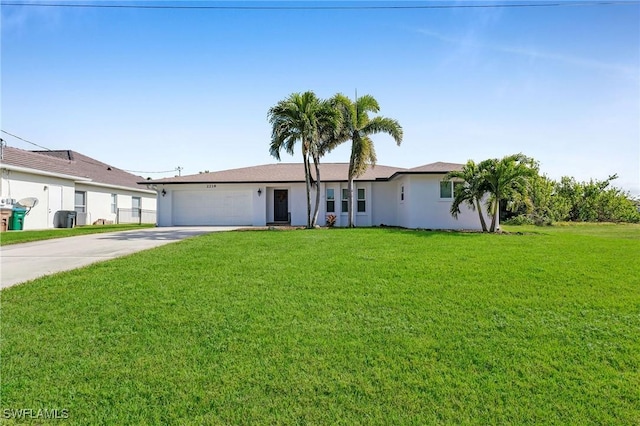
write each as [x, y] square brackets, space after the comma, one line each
[298, 203]
[421, 207]
[322, 216]
[19, 185]
[427, 210]
[342, 217]
[362, 218]
[404, 206]
[166, 205]
[98, 201]
[54, 194]
[385, 203]
[263, 204]
[259, 213]
[297, 199]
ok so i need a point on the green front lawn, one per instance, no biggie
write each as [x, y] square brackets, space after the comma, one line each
[364, 326]
[15, 237]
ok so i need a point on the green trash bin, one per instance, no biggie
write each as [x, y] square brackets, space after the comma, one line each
[16, 223]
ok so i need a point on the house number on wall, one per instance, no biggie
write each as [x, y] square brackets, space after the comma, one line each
[210, 186]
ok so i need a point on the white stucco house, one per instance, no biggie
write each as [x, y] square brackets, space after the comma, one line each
[67, 180]
[275, 194]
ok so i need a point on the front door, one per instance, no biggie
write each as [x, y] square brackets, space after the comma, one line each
[280, 205]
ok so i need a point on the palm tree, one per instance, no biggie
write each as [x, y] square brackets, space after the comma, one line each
[469, 192]
[300, 118]
[502, 178]
[328, 138]
[357, 126]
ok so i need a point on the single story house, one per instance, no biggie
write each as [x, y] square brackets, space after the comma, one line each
[67, 180]
[276, 194]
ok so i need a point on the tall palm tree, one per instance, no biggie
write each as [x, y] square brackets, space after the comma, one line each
[470, 192]
[328, 138]
[357, 126]
[502, 178]
[299, 118]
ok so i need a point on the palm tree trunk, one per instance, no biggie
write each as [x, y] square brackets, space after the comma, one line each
[482, 221]
[352, 223]
[352, 172]
[307, 178]
[496, 212]
[314, 220]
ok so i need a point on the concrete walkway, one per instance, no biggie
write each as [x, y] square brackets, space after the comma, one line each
[25, 262]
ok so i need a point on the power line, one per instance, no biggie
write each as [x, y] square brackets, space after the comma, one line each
[325, 7]
[24, 140]
[82, 160]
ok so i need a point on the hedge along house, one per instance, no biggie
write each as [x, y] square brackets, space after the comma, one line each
[275, 194]
[68, 180]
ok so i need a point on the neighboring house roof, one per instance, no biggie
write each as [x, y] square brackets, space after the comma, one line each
[438, 167]
[294, 172]
[72, 164]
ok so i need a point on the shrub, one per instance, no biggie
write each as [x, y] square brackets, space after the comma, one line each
[521, 219]
[331, 220]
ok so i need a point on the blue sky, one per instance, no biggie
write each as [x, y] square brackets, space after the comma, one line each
[150, 90]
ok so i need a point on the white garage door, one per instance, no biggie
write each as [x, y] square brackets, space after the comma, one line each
[212, 208]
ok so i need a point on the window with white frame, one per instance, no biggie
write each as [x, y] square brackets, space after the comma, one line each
[81, 201]
[446, 189]
[114, 203]
[402, 193]
[135, 205]
[345, 200]
[331, 201]
[362, 200]
[449, 188]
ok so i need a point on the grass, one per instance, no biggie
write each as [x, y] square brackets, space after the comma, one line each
[16, 237]
[364, 326]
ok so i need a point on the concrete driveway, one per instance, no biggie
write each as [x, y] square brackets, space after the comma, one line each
[25, 262]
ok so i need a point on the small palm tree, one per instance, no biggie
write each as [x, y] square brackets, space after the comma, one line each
[357, 126]
[502, 178]
[470, 192]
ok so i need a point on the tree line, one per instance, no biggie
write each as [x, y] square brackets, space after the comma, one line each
[512, 190]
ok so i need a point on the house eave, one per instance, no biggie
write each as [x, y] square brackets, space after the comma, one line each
[44, 173]
[120, 187]
[252, 182]
[416, 173]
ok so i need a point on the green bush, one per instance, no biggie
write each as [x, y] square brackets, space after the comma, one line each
[521, 219]
[546, 201]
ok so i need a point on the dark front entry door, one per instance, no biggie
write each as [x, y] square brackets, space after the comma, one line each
[280, 205]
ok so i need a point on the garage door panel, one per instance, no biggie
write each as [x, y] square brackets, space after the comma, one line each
[212, 208]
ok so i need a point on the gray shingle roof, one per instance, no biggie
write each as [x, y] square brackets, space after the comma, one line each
[438, 167]
[72, 163]
[294, 172]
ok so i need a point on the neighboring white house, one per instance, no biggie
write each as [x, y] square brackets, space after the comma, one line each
[68, 180]
[275, 194]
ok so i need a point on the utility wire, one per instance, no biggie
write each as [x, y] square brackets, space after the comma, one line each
[326, 7]
[24, 140]
[82, 160]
